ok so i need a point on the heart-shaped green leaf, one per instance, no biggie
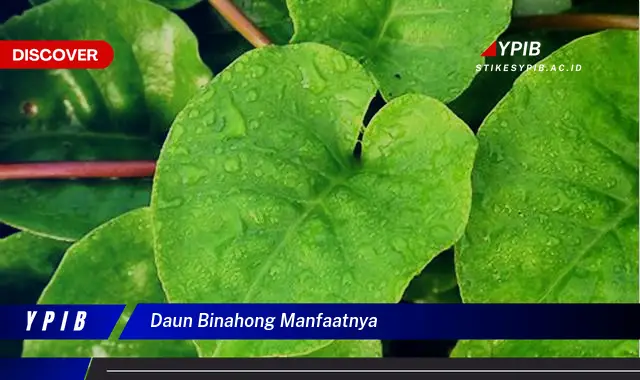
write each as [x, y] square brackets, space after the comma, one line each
[120, 113]
[555, 203]
[260, 198]
[411, 46]
[111, 265]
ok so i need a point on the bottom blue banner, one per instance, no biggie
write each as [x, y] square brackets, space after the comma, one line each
[384, 321]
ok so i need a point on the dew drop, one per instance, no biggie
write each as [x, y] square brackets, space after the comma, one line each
[180, 150]
[399, 245]
[192, 174]
[234, 123]
[553, 242]
[225, 77]
[232, 165]
[259, 71]
[252, 95]
[172, 203]
[340, 63]
[177, 131]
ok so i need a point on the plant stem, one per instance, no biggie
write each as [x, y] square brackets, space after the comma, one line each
[576, 22]
[240, 22]
[68, 170]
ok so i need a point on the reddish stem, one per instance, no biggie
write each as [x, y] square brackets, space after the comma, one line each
[576, 22]
[91, 169]
[240, 22]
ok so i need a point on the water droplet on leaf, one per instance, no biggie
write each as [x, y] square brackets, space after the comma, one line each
[232, 165]
[258, 71]
[340, 63]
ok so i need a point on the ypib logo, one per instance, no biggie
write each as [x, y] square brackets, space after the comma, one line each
[513, 48]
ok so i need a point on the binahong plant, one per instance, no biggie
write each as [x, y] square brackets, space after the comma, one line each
[282, 180]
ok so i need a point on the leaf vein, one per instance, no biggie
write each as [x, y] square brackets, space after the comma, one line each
[581, 255]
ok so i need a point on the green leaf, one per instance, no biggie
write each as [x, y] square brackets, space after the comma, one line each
[120, 113]
[555, 202]
[173, 4]
[271, 16]
[349, 349]
[26, 264]
[67, 209]
[410, 46]
[546, 348]
[111, 265]
[177, 4]
[264, 201]
[540, 7]
[436, 284]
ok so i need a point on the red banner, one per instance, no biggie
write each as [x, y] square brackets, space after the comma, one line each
[55, 54]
